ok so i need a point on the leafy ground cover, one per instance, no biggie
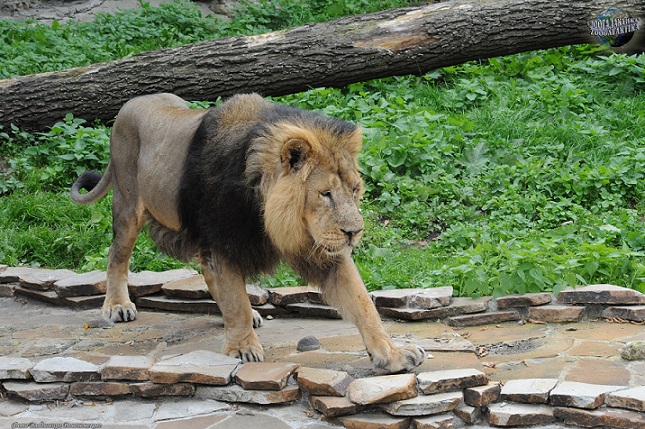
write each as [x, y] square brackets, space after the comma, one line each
[516, 174]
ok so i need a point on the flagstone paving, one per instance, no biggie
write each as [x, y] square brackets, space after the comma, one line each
[164, 370]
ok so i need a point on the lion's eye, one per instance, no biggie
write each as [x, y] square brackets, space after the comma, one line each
[326, 194]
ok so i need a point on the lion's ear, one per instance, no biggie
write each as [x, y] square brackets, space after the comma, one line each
[295, 153]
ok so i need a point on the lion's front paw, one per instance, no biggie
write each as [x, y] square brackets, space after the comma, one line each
[397, 359]
[246, 351]
[120, 312]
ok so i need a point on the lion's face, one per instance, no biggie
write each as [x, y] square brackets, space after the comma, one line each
[331, 213]
[311, 208]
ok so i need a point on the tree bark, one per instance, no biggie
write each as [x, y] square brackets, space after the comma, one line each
[395, 42]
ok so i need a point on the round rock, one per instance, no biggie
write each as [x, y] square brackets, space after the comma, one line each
[308, 344]
[633, 351]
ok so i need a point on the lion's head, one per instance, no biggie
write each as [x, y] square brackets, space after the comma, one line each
[312, 196]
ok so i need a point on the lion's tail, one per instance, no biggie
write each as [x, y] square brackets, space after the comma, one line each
[96, 185]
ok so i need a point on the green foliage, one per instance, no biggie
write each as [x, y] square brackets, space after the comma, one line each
[517, 174]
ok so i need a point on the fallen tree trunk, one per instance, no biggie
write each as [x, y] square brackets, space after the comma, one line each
[395, 42]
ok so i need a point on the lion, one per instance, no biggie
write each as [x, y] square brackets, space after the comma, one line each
[240, 187]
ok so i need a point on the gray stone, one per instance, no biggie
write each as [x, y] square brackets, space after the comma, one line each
[634, 350]
[265, 375]
[635, 313]
[633, 399]
[290, 295]
[374, 421]
[235, 393]
[484, 318]
[199, 366]
[521, 301]
[206, 306]
[457, 306]
[48, 296]
[445, 343]
[480, 396]
[35, 392]
[323, 382]
[83, 302]
[134, 368]
[504, 414]
[188, 408]
[65, 369]
[607, 418]
[7, 289]
[580, 395]
[444, 421]
[193, 287]
[15, 368]
[556, 313]
[307, 309]
[601, 294]
[530, 391]
[424, 405]
[13, 274]
[92, 283]
[308, 344]
[449, 380]
[387, 388]
[153, 390]
[334, 406]
[9, 408]
[149, 282]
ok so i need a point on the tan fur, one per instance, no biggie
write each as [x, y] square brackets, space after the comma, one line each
[310, 186]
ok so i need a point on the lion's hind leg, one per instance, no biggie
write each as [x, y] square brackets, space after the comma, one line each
[228, 289]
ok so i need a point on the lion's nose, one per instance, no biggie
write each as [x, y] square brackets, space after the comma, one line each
[352, 233]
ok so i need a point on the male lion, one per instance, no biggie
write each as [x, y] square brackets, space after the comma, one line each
[240, 187]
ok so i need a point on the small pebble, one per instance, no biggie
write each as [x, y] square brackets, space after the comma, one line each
[99, 323]
[308, 344]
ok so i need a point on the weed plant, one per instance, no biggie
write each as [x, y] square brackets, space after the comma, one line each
[517, 174]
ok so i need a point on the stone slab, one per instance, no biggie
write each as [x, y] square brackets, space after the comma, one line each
[632, 399]
[556, 313]
[43, 279]
[509, 415]
[257, 294]
[92, 283]
[580, 395]
[634, 313]
[160, 302]
[607, 418]
[634, 350]
[48, 296]
[37, 392]
[323, 382]
[199, 366]
[446, 343]
[135, 368]
[235, 393]
[484, 318]
[450, 380]
[83, 302]
[153, 390]
[7, 289]
[149, 282]
[467, 414]
[290, 295]
[192, 287]
[424, 299]
[66, 369]
[601, 294]
[444, 421]
[528, 391]
[523, 301]
[99, 388]
[188, 408]
[383, 389]
[16, 368]
[308, 309]
[265, 375]
[13, 274]
[424, 405]
[334, 406]
[374, 421]
[480, 396]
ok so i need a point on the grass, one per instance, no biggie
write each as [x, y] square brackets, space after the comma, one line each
[512, 175]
